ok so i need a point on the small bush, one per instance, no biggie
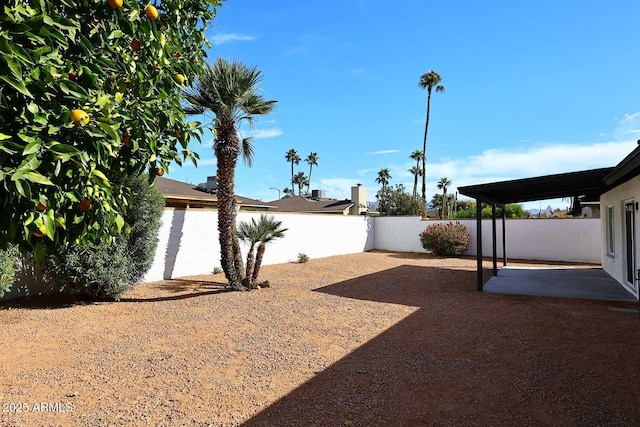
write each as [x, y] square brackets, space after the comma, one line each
[104, 271]
[445, 239]
[7, 268]
[217, 270]
[302, 258]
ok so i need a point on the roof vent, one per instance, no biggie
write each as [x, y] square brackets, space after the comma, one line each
[317, 194]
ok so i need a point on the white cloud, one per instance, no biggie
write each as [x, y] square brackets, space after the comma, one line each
[336, 188]
[628, 127]
[540, 159]
[218, 39]
[383, 152]
[264, 133]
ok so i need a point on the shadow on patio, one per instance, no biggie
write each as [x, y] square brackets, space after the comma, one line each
[470, 358]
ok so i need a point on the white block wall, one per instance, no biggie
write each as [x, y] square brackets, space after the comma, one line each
[188, 240]
[576, 240]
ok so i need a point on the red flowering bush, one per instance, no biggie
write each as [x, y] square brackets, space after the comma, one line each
[445, 239]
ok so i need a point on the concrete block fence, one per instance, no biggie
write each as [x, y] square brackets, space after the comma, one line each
[189, 240]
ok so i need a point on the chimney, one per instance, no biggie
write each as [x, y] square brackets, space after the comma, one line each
[359, 199]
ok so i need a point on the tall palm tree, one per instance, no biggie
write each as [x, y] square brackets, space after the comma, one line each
[292, 156]
[383, 177]
[312, 160]
[443, 185]
[300, 180]
[262, 231]
[270, 231]
[430, 81]
[416, 171]
[230, 91]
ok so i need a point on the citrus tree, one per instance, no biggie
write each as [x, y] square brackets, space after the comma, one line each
[90, 93]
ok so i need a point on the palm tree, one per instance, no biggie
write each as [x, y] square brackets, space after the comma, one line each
[270, 231]
[312, 160]
[443, 185]
[287, 192]
[300, 180]
[429, 80]
[292, 156]
[263, 231]
[231, 92]
[383, 177]
[416, 171]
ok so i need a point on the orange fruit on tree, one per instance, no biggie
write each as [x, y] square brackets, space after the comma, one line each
[180, 78]
[126, 140]
[116, 4]
[79, 117]
[42, 232]
[151, 12]
[159, 171]
[84, 205]
[41, 207]
[135, 45]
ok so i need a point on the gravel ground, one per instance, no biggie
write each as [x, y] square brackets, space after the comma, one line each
[371, 339]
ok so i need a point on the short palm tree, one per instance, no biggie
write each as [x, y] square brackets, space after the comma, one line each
[443, 185]
[312, 160]
[270, 229]
[231, 92]
[416, 171]
[300, 180]
[430, 81]
[261, 232]
[292, 156]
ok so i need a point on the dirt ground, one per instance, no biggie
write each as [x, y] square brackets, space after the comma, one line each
[371, 339]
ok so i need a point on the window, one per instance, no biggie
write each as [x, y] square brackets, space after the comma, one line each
[610, 231]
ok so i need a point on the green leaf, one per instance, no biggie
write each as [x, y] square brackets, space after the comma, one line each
[4, 136]
[18, 85]
[102, 177]
[109, 130]
[33, 147]
[34, 176]
[115, 34]
[13, 66]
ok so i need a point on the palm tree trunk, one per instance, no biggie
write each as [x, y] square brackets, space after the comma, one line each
[260, 253]
[424, 149]
[226, 148]
[250, 264]
[293, 191]
[444, 202]
[415, 186]
[309, 184]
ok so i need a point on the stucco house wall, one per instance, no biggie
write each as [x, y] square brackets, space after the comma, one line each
[615, 263]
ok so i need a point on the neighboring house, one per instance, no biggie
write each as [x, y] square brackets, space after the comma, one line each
[183, 195]
[620, 234]
[318, 204]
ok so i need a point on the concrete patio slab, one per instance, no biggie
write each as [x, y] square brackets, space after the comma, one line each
[589, 283]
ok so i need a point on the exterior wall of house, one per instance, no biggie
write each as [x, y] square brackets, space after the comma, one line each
[188, 240]
[571, 240]
[614, 260]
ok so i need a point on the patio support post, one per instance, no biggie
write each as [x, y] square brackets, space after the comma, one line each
[494, 240]
[504, 237]
[479, 242]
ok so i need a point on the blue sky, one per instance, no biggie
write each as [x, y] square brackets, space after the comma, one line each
[532, 88]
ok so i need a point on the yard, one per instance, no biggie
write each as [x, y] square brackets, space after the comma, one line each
[371, 339]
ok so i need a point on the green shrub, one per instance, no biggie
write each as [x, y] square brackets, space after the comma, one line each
[104, 271]
[302, 258]
[445, 239]
[7, 268]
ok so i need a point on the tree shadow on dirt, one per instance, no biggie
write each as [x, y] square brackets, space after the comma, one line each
[455, 361]
[179, 289]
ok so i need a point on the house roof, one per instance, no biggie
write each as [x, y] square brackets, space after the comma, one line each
[307, 205]
[589, 183]
[628, 168]
[178, 191]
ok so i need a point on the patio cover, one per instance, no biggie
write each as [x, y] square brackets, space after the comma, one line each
[588, 185]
